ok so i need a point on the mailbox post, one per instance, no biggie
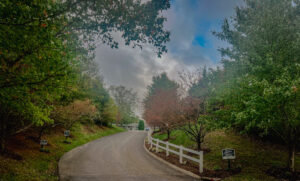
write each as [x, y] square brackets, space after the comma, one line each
[43, 143]
[67, 134]
[228, 154]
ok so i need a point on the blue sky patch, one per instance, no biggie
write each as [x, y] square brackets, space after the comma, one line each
[199, 40]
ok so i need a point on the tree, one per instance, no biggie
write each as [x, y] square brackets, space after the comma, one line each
[126, 101]
[197, 90]
[160, 82]
[141, 125]
[188, 79]
[93, 88]
[162, 110]
[45, 44]
[109, 113]
[262, 70]
[73, 113]
[194, 119]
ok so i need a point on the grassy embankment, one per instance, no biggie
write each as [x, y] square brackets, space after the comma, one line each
[254, 157]
[36, 165]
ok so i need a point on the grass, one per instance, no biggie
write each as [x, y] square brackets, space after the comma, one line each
[254, 157]
[43, 166]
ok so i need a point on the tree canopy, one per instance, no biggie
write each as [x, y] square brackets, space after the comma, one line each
[261, 68]
[47, 52]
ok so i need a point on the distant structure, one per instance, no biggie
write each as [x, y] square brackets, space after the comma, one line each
[132, 126]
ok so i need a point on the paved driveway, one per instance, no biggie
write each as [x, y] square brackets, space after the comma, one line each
[119, 157]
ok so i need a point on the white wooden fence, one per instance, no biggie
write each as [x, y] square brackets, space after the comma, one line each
[158, 144]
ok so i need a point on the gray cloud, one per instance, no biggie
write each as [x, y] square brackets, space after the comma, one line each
[134, 68]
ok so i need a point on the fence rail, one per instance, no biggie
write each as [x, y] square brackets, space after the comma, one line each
[158, 144]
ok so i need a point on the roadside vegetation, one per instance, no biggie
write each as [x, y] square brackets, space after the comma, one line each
[26, 162]
[253, 156]
[48, 75]
[255, 92]
[141, 125]
[49, 81]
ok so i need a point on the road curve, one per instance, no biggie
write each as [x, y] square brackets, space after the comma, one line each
[119, 157]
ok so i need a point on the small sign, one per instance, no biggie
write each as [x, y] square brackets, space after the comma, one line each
[67, 133]
[43, 142]
[228, 154]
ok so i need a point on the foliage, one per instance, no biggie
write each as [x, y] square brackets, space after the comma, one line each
[163, 110]
[261, 92]
[126, 100]
[141, 125]
[160, 82]
[194, 119]
[195, 108]
[40, 166]
[109, 113]
[74, 112]
[160, 86]
[93, 88]
[253, 156]
[46, 47]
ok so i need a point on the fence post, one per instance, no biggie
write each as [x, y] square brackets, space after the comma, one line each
[201, 161]
[156, 145]
[167, 148]
[151, 142]
[180, 154]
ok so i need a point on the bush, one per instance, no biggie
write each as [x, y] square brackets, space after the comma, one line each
[141, 125]
[217, 168]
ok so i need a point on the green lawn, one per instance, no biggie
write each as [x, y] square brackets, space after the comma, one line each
[254, 157]
[43, 166]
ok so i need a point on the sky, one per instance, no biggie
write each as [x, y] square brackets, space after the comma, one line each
[192, 46]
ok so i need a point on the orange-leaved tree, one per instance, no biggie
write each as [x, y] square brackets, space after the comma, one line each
[162, 110]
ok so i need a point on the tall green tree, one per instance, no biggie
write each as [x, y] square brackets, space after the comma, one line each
[45, 44]
[141, 125]
[92, 86]
[159, 82]
[262, 68]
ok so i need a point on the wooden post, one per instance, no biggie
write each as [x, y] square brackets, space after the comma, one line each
[156, 145]
[201, 161]
[180, 154]
[167, 148]
[151, 142]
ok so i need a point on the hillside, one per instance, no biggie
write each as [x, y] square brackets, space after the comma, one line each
[26, 162]
[252, 156]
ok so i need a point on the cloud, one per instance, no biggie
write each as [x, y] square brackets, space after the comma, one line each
[130, 67]
[192, 45]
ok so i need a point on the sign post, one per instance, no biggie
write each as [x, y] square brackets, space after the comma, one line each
[67, 134]
[228, 154]
[43, 143]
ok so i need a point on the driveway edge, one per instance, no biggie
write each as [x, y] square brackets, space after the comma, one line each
[63, 177]
[178, 168]
[171, 165]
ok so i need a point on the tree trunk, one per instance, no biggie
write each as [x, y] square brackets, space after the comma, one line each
[2, 144]
[2, 135]
[41, 133]
[291, 158]
[198, 143]
[169, 132]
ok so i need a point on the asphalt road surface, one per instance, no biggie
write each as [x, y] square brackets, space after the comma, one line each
[119, 157]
